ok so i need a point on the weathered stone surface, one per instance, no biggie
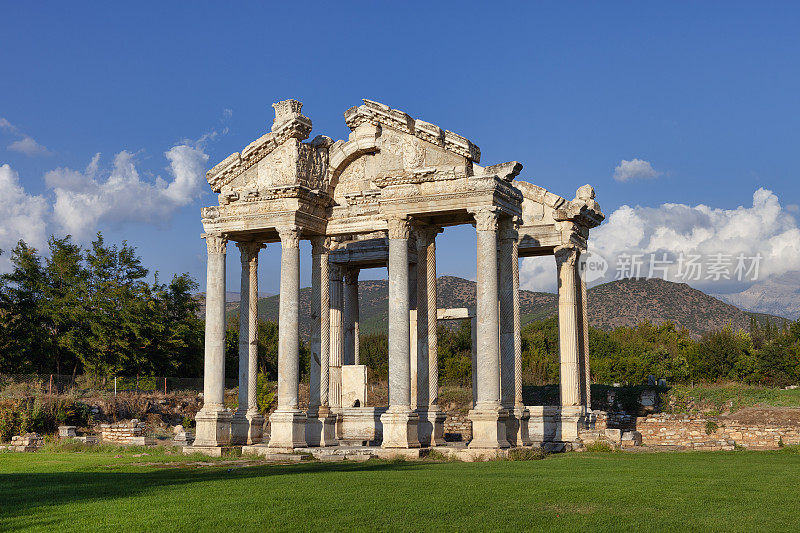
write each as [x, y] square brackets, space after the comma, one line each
[354, 386]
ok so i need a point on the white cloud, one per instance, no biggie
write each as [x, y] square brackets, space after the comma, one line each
[28, 146]
[24, 216]
[538, 274]
[764, 228]
[635, 169]
[25, 144]
[85, 200]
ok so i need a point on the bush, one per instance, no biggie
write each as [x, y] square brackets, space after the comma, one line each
[265, 394]
[711, 427]
[526, 454]
[599, 446]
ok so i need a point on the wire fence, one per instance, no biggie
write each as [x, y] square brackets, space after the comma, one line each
[17, 384]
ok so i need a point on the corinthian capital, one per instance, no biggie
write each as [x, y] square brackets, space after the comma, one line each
[486, 218]
[351, 276]
[217, 243]
[566, 255]
[509, 228]
[249, 250]
[290, 236]
[320, 244]
[399, 227]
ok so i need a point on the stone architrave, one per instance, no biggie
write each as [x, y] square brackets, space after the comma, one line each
[488, 416]
[213, 421]
[247, 426]
[399, 421]
[288, 422]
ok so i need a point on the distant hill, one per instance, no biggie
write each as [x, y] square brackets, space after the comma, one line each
[627, 302]
[624, 302]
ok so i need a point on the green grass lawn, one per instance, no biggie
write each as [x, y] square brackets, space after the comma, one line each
[104, 490]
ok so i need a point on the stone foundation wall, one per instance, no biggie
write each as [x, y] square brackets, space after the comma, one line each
[130, 433]
[712, 433]
[457, 428]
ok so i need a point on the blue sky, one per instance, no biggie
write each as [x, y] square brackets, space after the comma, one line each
[705, 93]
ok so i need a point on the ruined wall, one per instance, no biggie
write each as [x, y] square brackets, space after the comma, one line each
[713, 433]
[130, 433]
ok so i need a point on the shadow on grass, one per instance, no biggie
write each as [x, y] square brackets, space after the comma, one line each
[24, 494]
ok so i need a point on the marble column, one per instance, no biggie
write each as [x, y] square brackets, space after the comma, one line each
[510, 341]
[247, 426]
[488, 416]
[572, 411]
[288, 421]
[336, 338]
[214, 420]
[321, 423]
[399, 421]
[431, 419]
[521, 413]
[351, 314]
[587, 378]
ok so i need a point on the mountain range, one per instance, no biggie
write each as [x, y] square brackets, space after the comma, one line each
[625, 302]
[776, 295]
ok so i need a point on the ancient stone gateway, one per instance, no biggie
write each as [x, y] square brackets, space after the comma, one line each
[379, 199]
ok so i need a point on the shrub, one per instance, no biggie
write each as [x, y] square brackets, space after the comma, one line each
[526, 454]
[264, 393]
[599, 446]
[711, 427]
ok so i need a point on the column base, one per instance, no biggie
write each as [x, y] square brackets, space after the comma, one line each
[400, 429]
[572, 420]
[288, 429]
[247, 428]
[430, 428]
[488, 428]
[321, 428]
[517, 427]
[213, 427]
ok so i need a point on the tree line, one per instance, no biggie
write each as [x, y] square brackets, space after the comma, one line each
[91, 311]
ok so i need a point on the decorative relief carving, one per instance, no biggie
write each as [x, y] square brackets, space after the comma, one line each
[486, 218]
[398, 227]
[216, 243]
[381, 114]
[290, 236]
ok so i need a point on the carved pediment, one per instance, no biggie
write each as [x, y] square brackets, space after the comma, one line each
[541, 207]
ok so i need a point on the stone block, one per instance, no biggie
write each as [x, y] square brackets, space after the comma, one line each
[67, 432]
[213, 428]
[430, 428]
[488, 428]
[287, 429]
[354, 386]
[400, 429]
[321, 429]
